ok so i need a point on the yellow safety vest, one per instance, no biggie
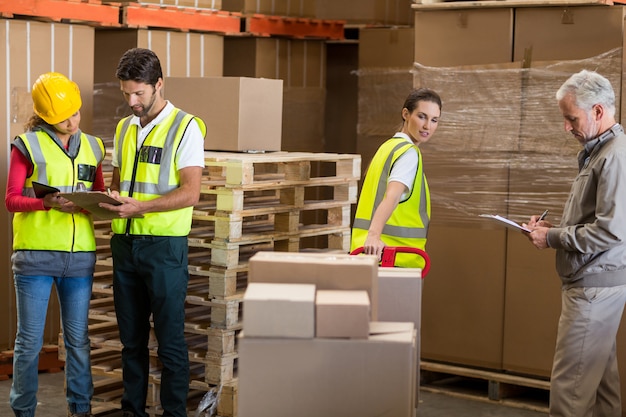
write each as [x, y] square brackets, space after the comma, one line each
[150, 172]
[408, 224]
[53, 229]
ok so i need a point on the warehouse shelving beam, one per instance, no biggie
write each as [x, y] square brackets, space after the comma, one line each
[182, 18]
[90, 11]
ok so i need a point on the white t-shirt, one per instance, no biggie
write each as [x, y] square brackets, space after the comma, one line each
[405, 168]
[191, 150]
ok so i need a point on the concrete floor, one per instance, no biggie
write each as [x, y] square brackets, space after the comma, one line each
[432, 404]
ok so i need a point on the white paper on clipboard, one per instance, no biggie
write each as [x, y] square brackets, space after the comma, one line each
[506, 222]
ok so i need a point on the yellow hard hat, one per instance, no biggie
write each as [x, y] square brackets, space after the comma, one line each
[55, 97]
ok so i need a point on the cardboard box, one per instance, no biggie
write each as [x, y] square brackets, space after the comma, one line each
[464, 37]
[181, 54]
[341, 107]
[371, 377]
[303, 120]
[326, 271]
[400, 300]
[300, 8]
[386, 47]
[241, 114]
[566, 33]
[387, 12]
[298, 62]
[279, 310]
[463, 312]
[344, 314]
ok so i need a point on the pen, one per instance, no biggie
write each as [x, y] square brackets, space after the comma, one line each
[109, 193]
[543, 216]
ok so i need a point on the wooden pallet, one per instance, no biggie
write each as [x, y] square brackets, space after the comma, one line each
[50, 360]
[108, 392]
[485, 385]
[233, 255]
[269, 170]
[275, 196]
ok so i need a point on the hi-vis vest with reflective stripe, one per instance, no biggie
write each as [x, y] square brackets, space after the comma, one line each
[408, 224]
[53, 229]
[153, 173]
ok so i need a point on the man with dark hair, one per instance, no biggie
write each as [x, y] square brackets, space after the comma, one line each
[158, 159]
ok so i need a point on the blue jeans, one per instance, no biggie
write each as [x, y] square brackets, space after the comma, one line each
[32, 295]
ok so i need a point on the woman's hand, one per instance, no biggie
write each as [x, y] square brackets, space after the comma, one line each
[55, 201]
[373, 246]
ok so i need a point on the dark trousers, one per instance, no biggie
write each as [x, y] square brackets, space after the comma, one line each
[150, 276]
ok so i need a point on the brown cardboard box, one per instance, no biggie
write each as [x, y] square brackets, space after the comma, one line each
[326, 271]
[181, 54]
[341, 110]
[279, 310]
[329, 377]
[29, 49]
[343, 314]
[553, 38]
[248, 6]
[300, 8]
[400, 299]
[463, 37]
[298, 62]
[532, 308]
[463, 303]
[303, 120]
[566, 33]
[386, 47]
[385, 58]
[388, 12]
[241, 114]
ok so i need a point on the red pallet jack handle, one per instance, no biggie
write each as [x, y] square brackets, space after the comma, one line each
[389, 256]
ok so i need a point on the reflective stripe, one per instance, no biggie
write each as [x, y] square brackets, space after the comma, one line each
[398, 231]
[150, 171]
[54, 229]
[36, 153]
[121, 136]
[167, 159]
[381, 189]
[382, 180]
[39, 159]
[408, 223]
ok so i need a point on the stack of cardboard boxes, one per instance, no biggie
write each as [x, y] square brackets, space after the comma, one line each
[312, 343]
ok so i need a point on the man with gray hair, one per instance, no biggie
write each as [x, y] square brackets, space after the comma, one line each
[590, 244]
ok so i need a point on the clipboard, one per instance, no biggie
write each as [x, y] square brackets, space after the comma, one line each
[506, 222]
[42, 190]
[89, 201]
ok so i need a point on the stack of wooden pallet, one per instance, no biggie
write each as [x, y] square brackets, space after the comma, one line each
[279, 201]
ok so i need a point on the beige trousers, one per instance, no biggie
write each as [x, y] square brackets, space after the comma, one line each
[585, 379]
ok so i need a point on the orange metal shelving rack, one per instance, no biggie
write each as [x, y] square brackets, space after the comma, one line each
[88, 11]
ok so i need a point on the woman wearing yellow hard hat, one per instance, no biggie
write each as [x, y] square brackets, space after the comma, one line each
[53, 240]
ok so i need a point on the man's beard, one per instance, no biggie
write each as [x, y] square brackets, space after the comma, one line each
[146, 108]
